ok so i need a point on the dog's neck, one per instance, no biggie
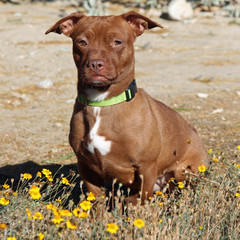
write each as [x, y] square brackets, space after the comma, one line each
[93, 97]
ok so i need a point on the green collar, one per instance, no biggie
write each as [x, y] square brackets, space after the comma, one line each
[127, 96]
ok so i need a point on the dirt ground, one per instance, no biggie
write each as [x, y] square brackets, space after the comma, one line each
[173, 65]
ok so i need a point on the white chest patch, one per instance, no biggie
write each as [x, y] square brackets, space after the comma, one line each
[96, 141]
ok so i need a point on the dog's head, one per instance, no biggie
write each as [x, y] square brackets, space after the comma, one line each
[103, 46]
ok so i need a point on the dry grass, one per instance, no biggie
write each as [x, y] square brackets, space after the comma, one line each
[210, 211]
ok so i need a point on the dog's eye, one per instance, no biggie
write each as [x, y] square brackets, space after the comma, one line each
[117, 43]
[82, 43]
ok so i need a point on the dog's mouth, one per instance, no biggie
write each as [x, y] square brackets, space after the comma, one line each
[97, 81]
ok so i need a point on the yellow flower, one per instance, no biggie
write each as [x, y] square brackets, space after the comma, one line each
[65, 212]
[39, 174]
[171, 179]
[6, 186]
[158, 193]
[15, 193]
[71, 225]
[57, 219]
[160, 204]
[202, 168]
[40, 236]
[50, 179]
[34, 192]
[112, 228]
[237, 194]
[46, 172]
[76, 212]
[11, 238]
[4, 201]
[200, 227]
[3, 226]
[27, 176]
[37, 216]
[59, 200]
[210, 150]
[238, 165]
[180, 185]
[65, 181]
[85, 205]
[215, 159]
[91, 197]
[188, 141]
[238, 147]
[139, 223]
[28, 214]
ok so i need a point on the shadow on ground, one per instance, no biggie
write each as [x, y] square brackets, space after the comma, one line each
[9, 173]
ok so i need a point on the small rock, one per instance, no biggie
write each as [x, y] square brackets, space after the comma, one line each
[16, 103]
[238, 93]
[57, 124]
[70, 101]
[218, 110]
[45, 84]
[202, 95]
[17, 14]
[180, 10]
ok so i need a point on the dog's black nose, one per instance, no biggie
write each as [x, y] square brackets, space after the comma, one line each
[96, 64]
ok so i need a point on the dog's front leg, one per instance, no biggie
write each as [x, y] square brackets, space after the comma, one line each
[93, 182]
[149, 178]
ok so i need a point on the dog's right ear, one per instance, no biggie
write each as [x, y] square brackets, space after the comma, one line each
[66, 24]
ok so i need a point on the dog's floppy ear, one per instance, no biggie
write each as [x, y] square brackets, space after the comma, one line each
[66, 24]
[139, 23]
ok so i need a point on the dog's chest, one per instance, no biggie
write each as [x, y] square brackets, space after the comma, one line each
[94, 141]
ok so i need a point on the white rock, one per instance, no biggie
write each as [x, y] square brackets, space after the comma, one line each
[202, 95]
[180, 10]
[218, 110]
[45, 84]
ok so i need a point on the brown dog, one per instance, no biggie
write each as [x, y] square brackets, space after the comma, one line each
[119, 131]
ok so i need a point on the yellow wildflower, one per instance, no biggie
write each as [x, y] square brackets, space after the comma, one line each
[28, 213]
[85, 205]
[40, 236]
[139, 223]
[70, 225]
[215, 159]
[112, 228]
[15, 194]
[37, 216]
[59, 200]
[188, 141]
[160, 204]
[171, 179]
[34, 192]
[4, 201]
[11, 238]
[83, 215]
[27, 176]
[202, 168]
[3, 226]
[46, 172]
[238, 165]
[180, 185]
[237, 194]
[238, 147]
[158, 193]
[65, 212]
[76, 212]
[200, 227]
[6, 186]
[57, 219]
[91, 197]
[65, 181]
[210, 151]
[39, 174]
